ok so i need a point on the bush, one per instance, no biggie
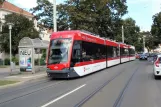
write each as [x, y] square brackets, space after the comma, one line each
[42, 62]
[7, 61]
[36, 61]
[15, 60]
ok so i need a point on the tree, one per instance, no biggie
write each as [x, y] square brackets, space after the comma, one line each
[1, 1]
[100, 17]
[131, 33]
[23, 27]
[156, 29]
[44, 12]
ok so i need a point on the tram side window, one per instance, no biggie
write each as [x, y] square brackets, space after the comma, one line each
[92, 51]
[131, 51]
[109, 51]
[118, 51]
[124, 52]
[112, 51]
[76, 53]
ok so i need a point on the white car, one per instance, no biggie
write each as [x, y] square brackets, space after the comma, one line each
[157, 67]
[143, 56]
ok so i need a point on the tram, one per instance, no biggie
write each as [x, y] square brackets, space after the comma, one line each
[77, 53]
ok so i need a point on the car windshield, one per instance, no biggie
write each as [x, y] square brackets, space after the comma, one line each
[59, 51]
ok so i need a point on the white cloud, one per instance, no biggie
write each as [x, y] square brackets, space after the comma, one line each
[24, 3]
[29, 3]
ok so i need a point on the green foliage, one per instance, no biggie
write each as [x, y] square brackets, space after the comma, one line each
[1, 1]
[7, 61]
[42, 62]
[7, 82]
[149, 40]
[156, 29]
[23, 27]
[36, 61]
[100, 17]
[131, 34]
[15, 60]
[44, 12]
[43, 54]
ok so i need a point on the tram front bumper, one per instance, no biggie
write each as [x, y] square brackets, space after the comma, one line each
[67, 73]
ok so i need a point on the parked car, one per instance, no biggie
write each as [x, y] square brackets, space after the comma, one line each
[137, 56]
[157, 67]
[143, 56]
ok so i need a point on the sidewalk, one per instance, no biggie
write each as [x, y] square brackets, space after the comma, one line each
[6, 74]
[25, 76]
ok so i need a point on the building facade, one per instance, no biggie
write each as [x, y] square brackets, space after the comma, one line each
[9, 8]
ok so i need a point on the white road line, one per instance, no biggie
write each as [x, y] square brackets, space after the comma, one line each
[53, 101]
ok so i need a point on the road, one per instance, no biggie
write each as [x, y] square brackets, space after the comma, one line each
[4, 72]
[126, 85]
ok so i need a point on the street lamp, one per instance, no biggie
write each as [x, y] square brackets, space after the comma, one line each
[122, 34]
[10, 28]
[54, 16]
[144, 43]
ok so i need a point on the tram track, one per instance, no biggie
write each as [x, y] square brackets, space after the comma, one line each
[19, 89]
[83, 101]
[31, 92]
[122, 93]
[119, 99]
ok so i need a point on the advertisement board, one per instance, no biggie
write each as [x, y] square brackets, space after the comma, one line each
[25, 58]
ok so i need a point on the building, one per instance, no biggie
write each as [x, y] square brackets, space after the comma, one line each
[9, 8]
[45, 34]
[158, 49]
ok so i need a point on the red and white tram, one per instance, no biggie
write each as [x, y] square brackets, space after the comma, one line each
[77, 53]
[132, 52]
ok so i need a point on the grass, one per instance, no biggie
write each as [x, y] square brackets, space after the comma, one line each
[3, 66]
[6, 82]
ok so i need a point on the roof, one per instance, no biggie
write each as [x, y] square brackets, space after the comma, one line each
[11, 7]
[33, 43]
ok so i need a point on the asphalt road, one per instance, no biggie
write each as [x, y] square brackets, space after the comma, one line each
[126, 85]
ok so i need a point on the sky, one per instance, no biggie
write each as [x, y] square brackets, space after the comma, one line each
[140, 10]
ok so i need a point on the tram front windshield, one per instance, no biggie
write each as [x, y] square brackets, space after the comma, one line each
[59, 51]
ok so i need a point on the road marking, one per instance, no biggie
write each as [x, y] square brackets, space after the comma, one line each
[53, 101]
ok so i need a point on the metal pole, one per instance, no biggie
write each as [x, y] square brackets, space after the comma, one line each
[54, 16]
[10, 28]
[10, 48]
[144, 43]
[122, 34]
